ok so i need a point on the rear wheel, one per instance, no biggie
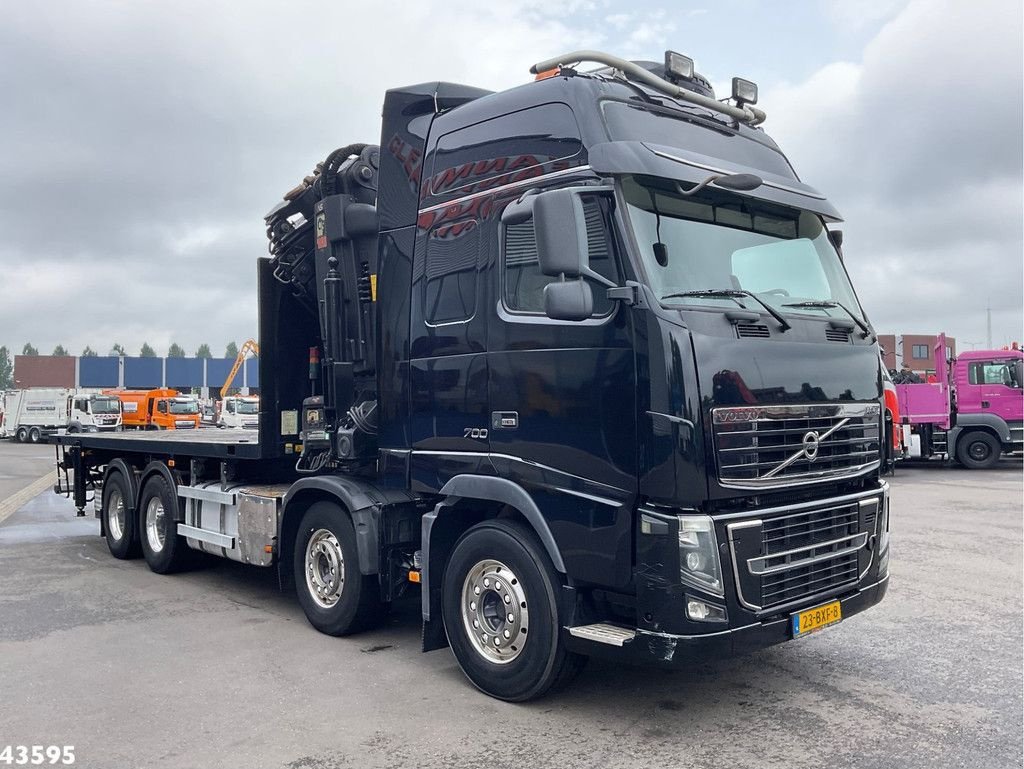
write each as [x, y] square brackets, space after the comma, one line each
[163, 549]
[22, 435]
[35, 435]
[336, 597]
[500, 606]
[977, 450]
[118, 523]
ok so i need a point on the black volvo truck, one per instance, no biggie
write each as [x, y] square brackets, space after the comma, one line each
[579, 361]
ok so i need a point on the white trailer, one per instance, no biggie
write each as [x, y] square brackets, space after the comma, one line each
[31, 416]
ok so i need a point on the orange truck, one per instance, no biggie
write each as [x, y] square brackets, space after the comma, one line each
[159, 409]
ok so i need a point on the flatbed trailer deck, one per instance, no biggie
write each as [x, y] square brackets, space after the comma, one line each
[228, 443]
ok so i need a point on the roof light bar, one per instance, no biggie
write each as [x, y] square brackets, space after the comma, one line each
[742, 112]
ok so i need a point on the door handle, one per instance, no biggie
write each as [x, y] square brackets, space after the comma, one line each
[984, 404]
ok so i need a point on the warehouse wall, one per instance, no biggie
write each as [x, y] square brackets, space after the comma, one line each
[131, 372]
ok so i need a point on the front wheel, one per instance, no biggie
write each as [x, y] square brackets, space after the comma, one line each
[336, 597]
[500, 606]
[977, 450]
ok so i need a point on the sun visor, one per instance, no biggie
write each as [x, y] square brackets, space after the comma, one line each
[634, 157]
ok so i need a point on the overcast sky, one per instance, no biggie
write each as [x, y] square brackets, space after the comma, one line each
[142, 143]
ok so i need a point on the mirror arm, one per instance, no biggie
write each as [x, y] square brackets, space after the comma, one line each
[589, 273]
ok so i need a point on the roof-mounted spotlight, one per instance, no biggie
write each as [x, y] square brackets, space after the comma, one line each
[744, 91]
[678, 66]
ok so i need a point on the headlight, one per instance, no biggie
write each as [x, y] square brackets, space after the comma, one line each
[698, 554]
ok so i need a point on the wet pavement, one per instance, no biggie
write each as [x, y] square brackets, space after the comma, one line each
[217, 668]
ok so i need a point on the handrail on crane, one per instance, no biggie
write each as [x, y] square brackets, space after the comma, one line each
[249, 346]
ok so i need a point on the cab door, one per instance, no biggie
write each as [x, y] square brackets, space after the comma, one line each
[563, 401]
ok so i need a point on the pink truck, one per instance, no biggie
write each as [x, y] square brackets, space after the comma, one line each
[973, 412]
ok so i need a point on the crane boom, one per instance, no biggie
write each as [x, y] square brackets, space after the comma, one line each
[249, 346]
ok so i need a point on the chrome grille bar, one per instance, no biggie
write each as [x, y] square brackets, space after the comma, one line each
[768, 446]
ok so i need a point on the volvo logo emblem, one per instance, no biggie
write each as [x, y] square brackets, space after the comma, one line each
[810, 442]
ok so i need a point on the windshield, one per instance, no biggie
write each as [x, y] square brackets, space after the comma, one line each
[106, 406]
[184, 407]
[719, 240]
[247, 407]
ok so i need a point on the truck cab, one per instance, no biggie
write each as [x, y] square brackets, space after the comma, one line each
[93, 413]
[239, 411]
[989, 401]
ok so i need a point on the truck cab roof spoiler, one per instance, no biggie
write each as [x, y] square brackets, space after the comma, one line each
[635, 157]
[745, 113]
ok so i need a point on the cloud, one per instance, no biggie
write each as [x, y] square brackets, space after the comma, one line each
[919, 145]
[150, 139]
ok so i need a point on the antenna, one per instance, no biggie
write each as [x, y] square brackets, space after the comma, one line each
[988, 334]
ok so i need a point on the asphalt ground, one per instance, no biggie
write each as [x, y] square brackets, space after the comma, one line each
[217, 668]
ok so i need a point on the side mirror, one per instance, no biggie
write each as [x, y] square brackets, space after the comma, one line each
[836, 237]
[561, 231]
[568, 300]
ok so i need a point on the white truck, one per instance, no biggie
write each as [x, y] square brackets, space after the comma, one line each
[239, 411]
[31, 416]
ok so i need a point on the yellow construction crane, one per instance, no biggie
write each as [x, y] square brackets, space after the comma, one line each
[249, 346]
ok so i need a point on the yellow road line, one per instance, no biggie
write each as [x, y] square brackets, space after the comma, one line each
[27, 494]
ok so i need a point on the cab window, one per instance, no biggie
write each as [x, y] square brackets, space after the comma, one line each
[522, 281]
[161, 406]
[999, 372]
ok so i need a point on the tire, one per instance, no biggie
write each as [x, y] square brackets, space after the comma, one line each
[119, 525]
[337, 599]
[35, 435]
[21, 436]
[977, 450]
[165, 552]
[495, 566]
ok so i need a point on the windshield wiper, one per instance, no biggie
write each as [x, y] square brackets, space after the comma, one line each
[828, 304]
[731, 293]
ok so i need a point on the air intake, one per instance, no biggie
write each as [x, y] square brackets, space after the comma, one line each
[752, 330]
[837, 335]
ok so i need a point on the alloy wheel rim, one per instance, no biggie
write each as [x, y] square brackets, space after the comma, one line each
[325, 568]
[495, 611]
[115, 514]
[155, 525]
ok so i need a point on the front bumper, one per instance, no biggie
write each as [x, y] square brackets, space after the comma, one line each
[648, 647]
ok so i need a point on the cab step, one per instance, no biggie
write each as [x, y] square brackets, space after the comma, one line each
[604, 633]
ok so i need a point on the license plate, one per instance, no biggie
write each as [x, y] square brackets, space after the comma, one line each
[815, 619]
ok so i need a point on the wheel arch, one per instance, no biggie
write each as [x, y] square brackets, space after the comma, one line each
[358, 499]
[992, 424]
[158, 468]
[131, 478]
[470, 499]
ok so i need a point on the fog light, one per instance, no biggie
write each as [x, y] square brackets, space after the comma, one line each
[699, 611]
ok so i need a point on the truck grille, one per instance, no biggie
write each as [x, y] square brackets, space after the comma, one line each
[765, 446]
[802, 554]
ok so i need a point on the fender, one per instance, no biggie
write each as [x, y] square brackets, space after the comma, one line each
[130, 478]
[994, 422]
[159, 468]
[493, 489]
[360, 499]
